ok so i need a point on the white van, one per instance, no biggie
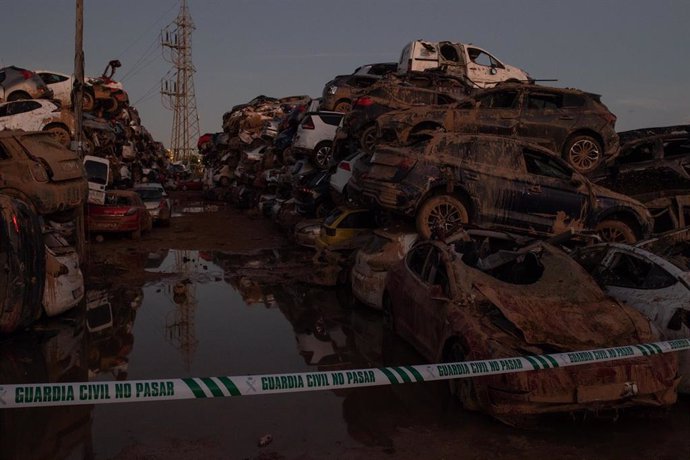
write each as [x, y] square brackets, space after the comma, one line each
[98, 174]
[481, 69]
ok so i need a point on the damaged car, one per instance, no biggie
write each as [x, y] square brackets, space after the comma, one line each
[454, 303]
[652, 277]
[64, 285]
[504, 183]
[17, 83]
[338, 93]
[22, 258]
[315, 135]
[36, 169]
[572, 122]
[123, 212]
[38, 115]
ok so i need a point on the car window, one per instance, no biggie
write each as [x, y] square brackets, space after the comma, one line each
[628, 271]
[498, 100]
[331, 119]
[542, 165]
[543, 101]
[23, 107]
[2, 76]
[50, 78]
[3, 110]
[677, 147]
[482, 58]
[416, 258]
[3, 153]
[358, 220]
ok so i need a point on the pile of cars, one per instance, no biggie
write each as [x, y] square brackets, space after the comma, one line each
[45, 187]
[469, 205]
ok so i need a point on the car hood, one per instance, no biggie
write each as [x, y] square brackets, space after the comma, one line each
[564, 309]
[64, 164]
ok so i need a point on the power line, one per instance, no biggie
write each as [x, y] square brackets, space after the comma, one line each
[147, 29]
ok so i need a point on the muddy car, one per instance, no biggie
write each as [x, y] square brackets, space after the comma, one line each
[574, 123]
[503, 183]
[38, 170]
[22, 258]
[359, 125]
[17, 83]
[64, 287]
[453, 304]
[38, 115]
[339, 93]
[652, 277]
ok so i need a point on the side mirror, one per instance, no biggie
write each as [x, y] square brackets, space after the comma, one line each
[493, 70]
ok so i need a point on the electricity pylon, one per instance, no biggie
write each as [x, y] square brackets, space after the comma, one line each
[177, 93]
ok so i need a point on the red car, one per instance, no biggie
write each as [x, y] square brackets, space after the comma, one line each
[123, 212]
[487, 300]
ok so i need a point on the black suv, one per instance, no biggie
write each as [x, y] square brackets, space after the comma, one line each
[493, 181]
[569, 121]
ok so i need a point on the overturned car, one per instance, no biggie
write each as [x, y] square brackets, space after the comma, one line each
[464, 301]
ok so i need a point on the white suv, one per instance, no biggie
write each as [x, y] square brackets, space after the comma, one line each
[315, 136]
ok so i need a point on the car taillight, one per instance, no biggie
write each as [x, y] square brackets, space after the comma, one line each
[39, 173]
[365, 101]
[16, 223]
[308, 123]
[609, 118]
[27, 74]
[131, 212]
[345, 166]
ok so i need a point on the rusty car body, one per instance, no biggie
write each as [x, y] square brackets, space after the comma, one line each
[509, 184]
[339, 92]
[22, 259]
[574, 123]
[40, 171]
[652, 277]
[456, 302]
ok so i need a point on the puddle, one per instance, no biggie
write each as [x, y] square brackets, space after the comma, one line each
[223, 314]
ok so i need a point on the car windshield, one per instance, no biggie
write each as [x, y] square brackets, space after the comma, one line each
[149, 194]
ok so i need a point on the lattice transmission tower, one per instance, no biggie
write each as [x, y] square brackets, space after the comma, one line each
[177, 92]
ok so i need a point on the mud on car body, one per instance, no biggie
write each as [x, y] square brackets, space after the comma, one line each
[569, 121]
[38, 170]
[460, 302]
[493, 181]
[22, 256]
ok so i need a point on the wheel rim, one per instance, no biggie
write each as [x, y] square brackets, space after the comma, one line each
[446, 218]
[369, 140]
[323, 156]
[613, 235]
[61, 136]
[584, 154]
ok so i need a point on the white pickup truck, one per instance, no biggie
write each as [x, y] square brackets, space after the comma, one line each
[479, 68]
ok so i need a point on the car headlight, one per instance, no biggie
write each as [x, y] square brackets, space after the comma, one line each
[332, 89]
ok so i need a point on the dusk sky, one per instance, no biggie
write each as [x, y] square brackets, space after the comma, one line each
[634, 53]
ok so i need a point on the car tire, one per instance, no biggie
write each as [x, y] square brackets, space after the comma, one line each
[584, 153]
[463, 389]
[18, 95]
[616, 231]
[61, 134]
[441, 216]
[322, 154]
[368, 140]
[88, 101]
[342, 106]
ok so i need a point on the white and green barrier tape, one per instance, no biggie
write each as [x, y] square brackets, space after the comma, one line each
[66, 394]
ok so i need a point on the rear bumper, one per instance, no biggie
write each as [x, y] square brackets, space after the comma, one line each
[114, 225]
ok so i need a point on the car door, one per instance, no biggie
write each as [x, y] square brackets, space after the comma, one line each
[544, 119]
[498, 112]
[21, 115]
[432, 299]
[552, 198]
[484, 69]
[407, 294]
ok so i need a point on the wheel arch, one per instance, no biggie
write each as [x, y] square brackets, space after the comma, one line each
[458, 191]
[626, 216]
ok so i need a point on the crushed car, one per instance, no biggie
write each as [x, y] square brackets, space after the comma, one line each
[508, 184]
[338, 93]
[460, 302]
[652, 277]
[64, 281]
[17, 83]
[38, 115]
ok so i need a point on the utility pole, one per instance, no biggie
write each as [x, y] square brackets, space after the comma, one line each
[177, 93]
[77, 102]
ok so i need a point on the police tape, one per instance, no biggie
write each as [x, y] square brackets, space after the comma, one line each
[66, 394]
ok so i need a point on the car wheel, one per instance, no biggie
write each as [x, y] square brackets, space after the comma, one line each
[60, 133]
[322, 154]
[616, 231]
[441, 216]
[387, 309]
[342, 106]
[17, 95]
[88, 101]
[368, 139]
[463, 389]
[584, 153]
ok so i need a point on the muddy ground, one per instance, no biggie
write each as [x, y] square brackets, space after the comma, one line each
[237, 314]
